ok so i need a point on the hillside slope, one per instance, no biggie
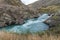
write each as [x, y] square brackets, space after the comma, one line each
[44, 3]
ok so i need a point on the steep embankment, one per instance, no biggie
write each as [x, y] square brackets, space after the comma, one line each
[14, 12]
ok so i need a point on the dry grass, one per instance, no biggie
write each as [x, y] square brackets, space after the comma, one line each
[52, 8]
[9, 36]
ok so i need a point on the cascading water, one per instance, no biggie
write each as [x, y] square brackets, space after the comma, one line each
[31, 26]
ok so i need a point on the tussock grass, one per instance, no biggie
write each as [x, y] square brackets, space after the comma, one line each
[52, 8]
[10, 36]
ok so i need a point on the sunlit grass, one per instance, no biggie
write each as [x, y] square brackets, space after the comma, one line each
[52, 8]
[12, 36]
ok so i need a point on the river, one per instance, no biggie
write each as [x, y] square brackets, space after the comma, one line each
[30, 26]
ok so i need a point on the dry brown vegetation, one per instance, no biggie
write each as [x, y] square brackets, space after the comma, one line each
[11, 36]
[52, 8]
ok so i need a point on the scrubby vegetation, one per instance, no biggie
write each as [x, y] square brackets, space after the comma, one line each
[51, 9]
